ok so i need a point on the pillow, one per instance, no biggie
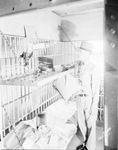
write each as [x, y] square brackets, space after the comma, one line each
[67, 86]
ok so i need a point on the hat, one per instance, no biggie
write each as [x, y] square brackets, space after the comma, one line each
[86, 46]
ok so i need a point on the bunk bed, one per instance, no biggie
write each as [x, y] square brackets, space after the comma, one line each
[30, 92]
[27, 91]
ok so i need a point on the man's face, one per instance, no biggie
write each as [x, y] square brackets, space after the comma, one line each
[84, 55]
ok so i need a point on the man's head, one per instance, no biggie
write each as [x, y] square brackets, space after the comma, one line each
[85, 51]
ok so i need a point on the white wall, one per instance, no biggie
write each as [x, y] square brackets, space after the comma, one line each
[43, 21]
[86, 26]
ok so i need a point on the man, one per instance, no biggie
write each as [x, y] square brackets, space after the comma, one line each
[87, 76]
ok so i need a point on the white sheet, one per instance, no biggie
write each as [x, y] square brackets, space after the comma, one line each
[54, 135]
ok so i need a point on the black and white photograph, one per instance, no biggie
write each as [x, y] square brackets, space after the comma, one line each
[58, 74]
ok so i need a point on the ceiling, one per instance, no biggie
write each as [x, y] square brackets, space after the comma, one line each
[83, 6]
[60, 7]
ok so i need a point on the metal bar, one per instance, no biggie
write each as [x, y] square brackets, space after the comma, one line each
[17, 102]
[13, 97]
[21, 103]
[1, 116]
[30, 101]
[5, 48]
[1, 128]
[3, 120]
[25, 106]
[8, 105]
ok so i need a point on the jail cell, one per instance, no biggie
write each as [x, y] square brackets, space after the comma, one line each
[23, 102]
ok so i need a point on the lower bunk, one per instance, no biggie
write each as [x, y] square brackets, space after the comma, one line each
[49, 130]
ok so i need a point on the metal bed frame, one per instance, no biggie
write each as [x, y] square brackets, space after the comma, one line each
[17, 96]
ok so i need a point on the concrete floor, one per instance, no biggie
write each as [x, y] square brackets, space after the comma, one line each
[75, 140]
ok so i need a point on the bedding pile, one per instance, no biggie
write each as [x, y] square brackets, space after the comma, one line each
[56, 133]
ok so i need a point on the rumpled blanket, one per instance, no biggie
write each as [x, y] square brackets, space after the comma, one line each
[55, 134]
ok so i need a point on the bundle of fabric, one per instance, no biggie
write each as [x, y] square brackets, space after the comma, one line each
[16, 137]
[56, 138]
[59, 113]
[68, 87]
[55, 134]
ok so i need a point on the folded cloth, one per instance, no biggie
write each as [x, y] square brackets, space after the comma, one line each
[59, 112]
[67, 86]
[57, 138]
[28, 144]
[66, 132]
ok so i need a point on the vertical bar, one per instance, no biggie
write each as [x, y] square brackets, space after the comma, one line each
[25, 107]
[5, 53]
[31, 65]
[29, 102]
[5, 67]
[18, 55]
[47, 95]
[21, 49]
[32, 102]
[1, 117]
[26, 103]
[10, 38]
[9, 94]
[3, 120]
[13, 66]
[8, 105]
[23, 95]
[8, 68]
[21, 102]
[5, 95]
[1, 125]
[13, 108]
[2, 68]
[41, 97]
[17, 103]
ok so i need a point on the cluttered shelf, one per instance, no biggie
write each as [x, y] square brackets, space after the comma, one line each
[36, 79]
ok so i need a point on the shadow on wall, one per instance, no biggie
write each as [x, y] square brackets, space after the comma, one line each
[69, 29]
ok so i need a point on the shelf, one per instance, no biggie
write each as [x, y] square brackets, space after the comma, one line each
[31, 80]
